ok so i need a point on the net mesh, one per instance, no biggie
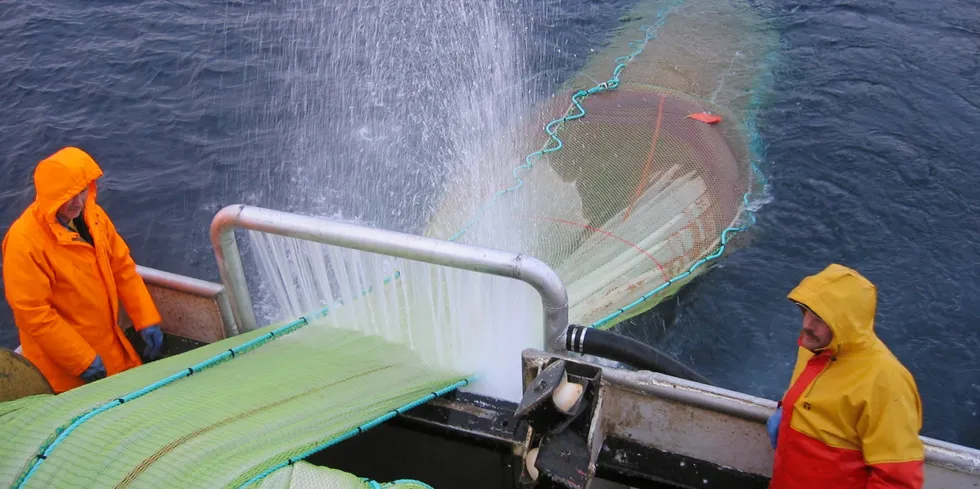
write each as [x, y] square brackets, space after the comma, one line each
[455, 319]
[224, 426]
[303, 475]
[635, 185]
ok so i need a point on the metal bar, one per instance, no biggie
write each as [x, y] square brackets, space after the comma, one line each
[554, 298]
[173, 281]
[202, 288]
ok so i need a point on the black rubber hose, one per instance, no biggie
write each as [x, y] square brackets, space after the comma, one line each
[612, 346]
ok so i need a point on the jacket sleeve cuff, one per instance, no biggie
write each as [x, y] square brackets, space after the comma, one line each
[141, 327]
[90, 357]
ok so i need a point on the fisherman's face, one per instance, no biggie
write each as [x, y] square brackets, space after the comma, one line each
[71, 209]
[815, 334]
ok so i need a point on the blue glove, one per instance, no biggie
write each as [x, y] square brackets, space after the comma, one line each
[154, 342]
[772, 426]
[95, 371]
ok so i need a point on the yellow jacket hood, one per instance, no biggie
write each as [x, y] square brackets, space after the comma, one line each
[846, 301]
[60, 177]
[852, 412]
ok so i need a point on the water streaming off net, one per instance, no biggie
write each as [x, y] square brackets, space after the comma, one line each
[466, 321]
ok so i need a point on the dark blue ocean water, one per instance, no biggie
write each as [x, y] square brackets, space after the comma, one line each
[871, 134]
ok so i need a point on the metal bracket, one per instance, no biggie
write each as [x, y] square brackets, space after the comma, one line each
[560, 407]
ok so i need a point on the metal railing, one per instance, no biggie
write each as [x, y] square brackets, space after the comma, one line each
[554, 297]
[194, 287]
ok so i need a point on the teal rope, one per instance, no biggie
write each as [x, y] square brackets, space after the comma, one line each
[555, 143]
[756, 146]
[360, 429]
[229, 354]
[577, 110]
[64, 431]
[375, 485]
[725, 237]
[408, 481]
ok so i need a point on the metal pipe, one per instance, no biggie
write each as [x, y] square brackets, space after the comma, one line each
[182, 283]
[554, 298]
[230, 267]
[202, 288]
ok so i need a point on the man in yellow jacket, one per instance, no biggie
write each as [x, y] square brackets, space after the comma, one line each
[65, 270]
[852, 414]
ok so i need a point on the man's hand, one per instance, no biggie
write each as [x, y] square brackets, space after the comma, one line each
[95, 371]
[154, 341]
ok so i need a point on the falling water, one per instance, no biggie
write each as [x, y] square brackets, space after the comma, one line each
[385, 105]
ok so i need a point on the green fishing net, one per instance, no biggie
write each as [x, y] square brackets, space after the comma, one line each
[232, 423]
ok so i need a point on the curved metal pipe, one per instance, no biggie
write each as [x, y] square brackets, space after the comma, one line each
[534, 272]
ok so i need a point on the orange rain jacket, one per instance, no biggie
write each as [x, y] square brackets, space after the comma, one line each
[852, 413]
[65, 292]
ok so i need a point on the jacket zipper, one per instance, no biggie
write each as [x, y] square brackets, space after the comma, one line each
[813, 383]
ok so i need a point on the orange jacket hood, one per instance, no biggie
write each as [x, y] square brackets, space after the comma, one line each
[65, 291]
[60, 177]
[846, 301]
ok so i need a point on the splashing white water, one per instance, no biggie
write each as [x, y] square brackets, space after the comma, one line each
[386, 103]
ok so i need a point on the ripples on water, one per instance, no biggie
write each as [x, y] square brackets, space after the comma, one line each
[871, 136]
[872, 152]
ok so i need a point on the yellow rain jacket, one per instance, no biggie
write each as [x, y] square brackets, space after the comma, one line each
[852, 413]
[65, 292]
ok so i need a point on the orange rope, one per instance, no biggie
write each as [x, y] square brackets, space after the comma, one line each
[646, 169]
[611, 235]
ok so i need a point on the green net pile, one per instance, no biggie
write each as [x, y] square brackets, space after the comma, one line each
[239, 423]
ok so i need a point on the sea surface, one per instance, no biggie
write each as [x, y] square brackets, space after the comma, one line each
[871, 134]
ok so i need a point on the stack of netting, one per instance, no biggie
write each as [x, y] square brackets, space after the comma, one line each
[647, 174]
[242, 412]
[307, 476]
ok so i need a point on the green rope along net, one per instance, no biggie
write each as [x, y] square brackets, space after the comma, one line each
[633, 193]
[231, 423]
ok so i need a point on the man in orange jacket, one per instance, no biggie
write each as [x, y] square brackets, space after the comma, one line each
[65, 270]
[852, 414]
